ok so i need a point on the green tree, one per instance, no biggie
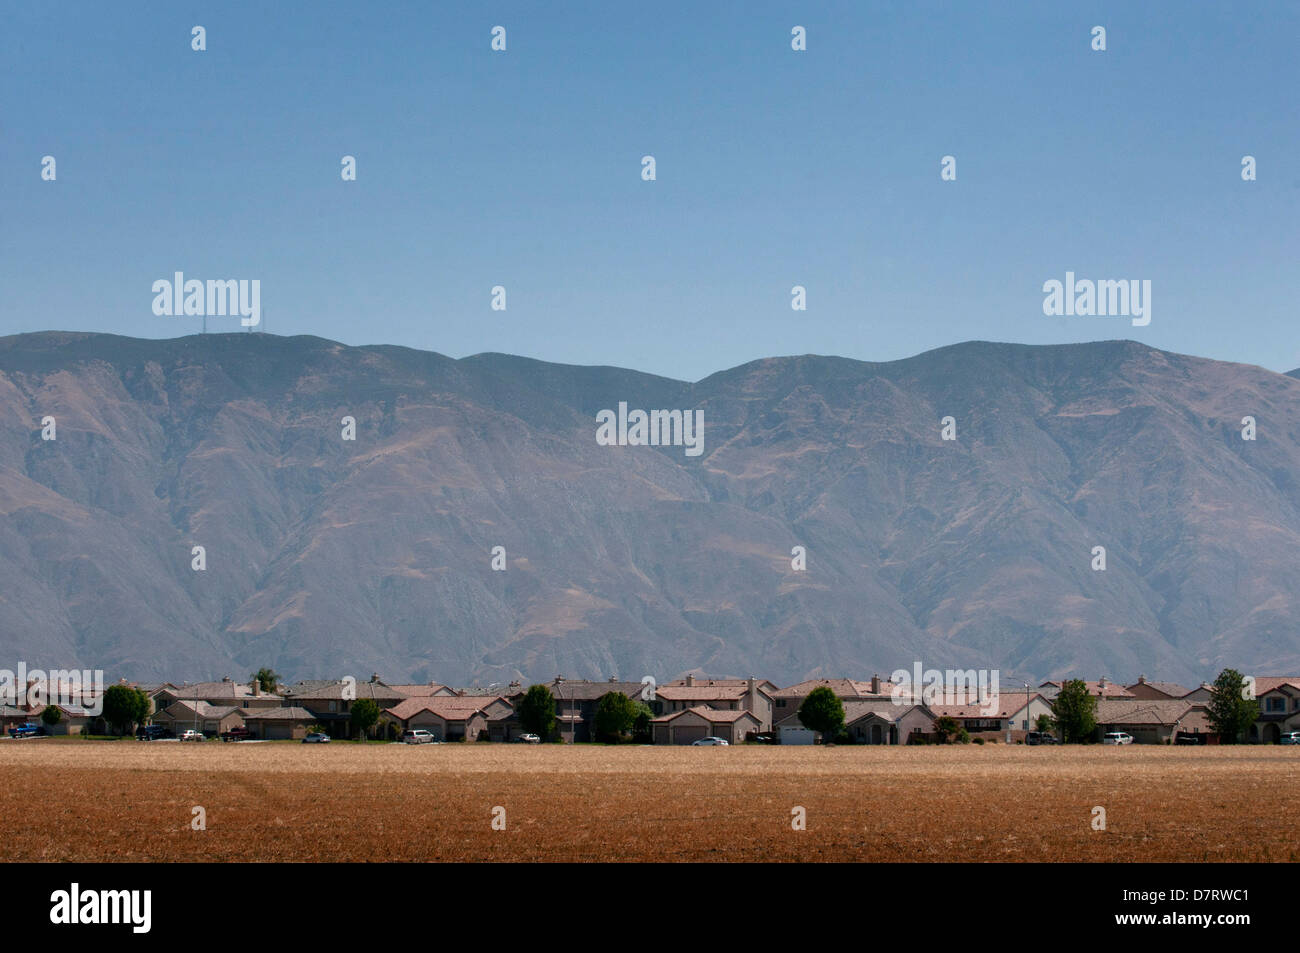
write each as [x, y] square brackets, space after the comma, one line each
[124, 707]
[1045, 724]
[615, 715]
[1075, 710]
[945, 726]
[267, 679]
[642, 730]
[822, 712]
[1231, 713]
[364, 715]
[51, 716]
[537, 711]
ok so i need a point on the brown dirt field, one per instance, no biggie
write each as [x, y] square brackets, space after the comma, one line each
[73, 800]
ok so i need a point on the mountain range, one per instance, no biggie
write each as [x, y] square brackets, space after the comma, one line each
[326, 557]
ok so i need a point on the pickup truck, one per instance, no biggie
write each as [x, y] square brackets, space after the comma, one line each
[238, 733]
[27, 730]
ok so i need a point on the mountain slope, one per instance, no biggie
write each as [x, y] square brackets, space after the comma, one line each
[327, 557]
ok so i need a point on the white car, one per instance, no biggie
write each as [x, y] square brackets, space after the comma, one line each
[316, 738]
[710, 741]
[191, 734]
[1289, 738]
[417, 736]
[1117, 738]
[529, 738]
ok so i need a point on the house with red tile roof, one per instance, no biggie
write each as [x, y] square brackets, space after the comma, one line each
[692, 724]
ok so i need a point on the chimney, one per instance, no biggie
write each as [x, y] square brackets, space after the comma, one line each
[257, 688]
[225, 678]
[1142, 679]
[753, 684]
[690, 680]
[374, 677]
[613, 678]
[875, 684]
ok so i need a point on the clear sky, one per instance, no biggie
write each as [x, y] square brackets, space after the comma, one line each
[774, 168]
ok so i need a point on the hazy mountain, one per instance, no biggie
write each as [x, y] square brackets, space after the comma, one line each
[327, 557]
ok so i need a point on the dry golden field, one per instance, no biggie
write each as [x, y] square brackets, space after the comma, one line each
[72, 800]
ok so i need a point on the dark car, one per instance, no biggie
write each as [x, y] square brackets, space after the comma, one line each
[237, 733]
[27, 730]
[1041, 738]
[151, 732]
[764, 738]
[1188, 738]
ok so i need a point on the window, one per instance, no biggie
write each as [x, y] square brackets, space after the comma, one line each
[1276, 704]
[334, 706]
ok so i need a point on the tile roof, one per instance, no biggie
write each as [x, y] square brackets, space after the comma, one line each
[1172, 689]
[291, 713]
[582, 690]
[842, 687]
[207, 691]
[1111, 689]
[1007, 704]
[714, 716]
[419, 691]
[184, 706]
[699, 692]
[453, 707]
[1268, 683]
[332, 690]
[1142, 711]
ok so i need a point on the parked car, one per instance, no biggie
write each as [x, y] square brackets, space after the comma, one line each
[29, 729]
[416, 736]
[710, 741]
[237, 733]
[1192, 738]
[1289, 738]
[192, 734]
[529, 739]
[316, 738]
[152, 732]
[765, 738]
[1117, 738]
[1041, 738]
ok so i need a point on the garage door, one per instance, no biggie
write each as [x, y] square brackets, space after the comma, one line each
[278, 732]
[686, 734]
[797, 736]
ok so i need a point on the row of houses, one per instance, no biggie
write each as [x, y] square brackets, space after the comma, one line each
[684, 710]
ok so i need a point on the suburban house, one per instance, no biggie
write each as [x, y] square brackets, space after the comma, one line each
[290, 723]
[1279, 708]
[330, 701]
[1016, 712]
[786, 702]
[201, 716]
[1159, 691]
[727, 694]
[881, 722]
[223, 693]
[1152, 721]
[689, 725]
[454, 718]
[575, 704]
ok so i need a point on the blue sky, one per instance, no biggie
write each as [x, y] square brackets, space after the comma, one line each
[775, 168]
